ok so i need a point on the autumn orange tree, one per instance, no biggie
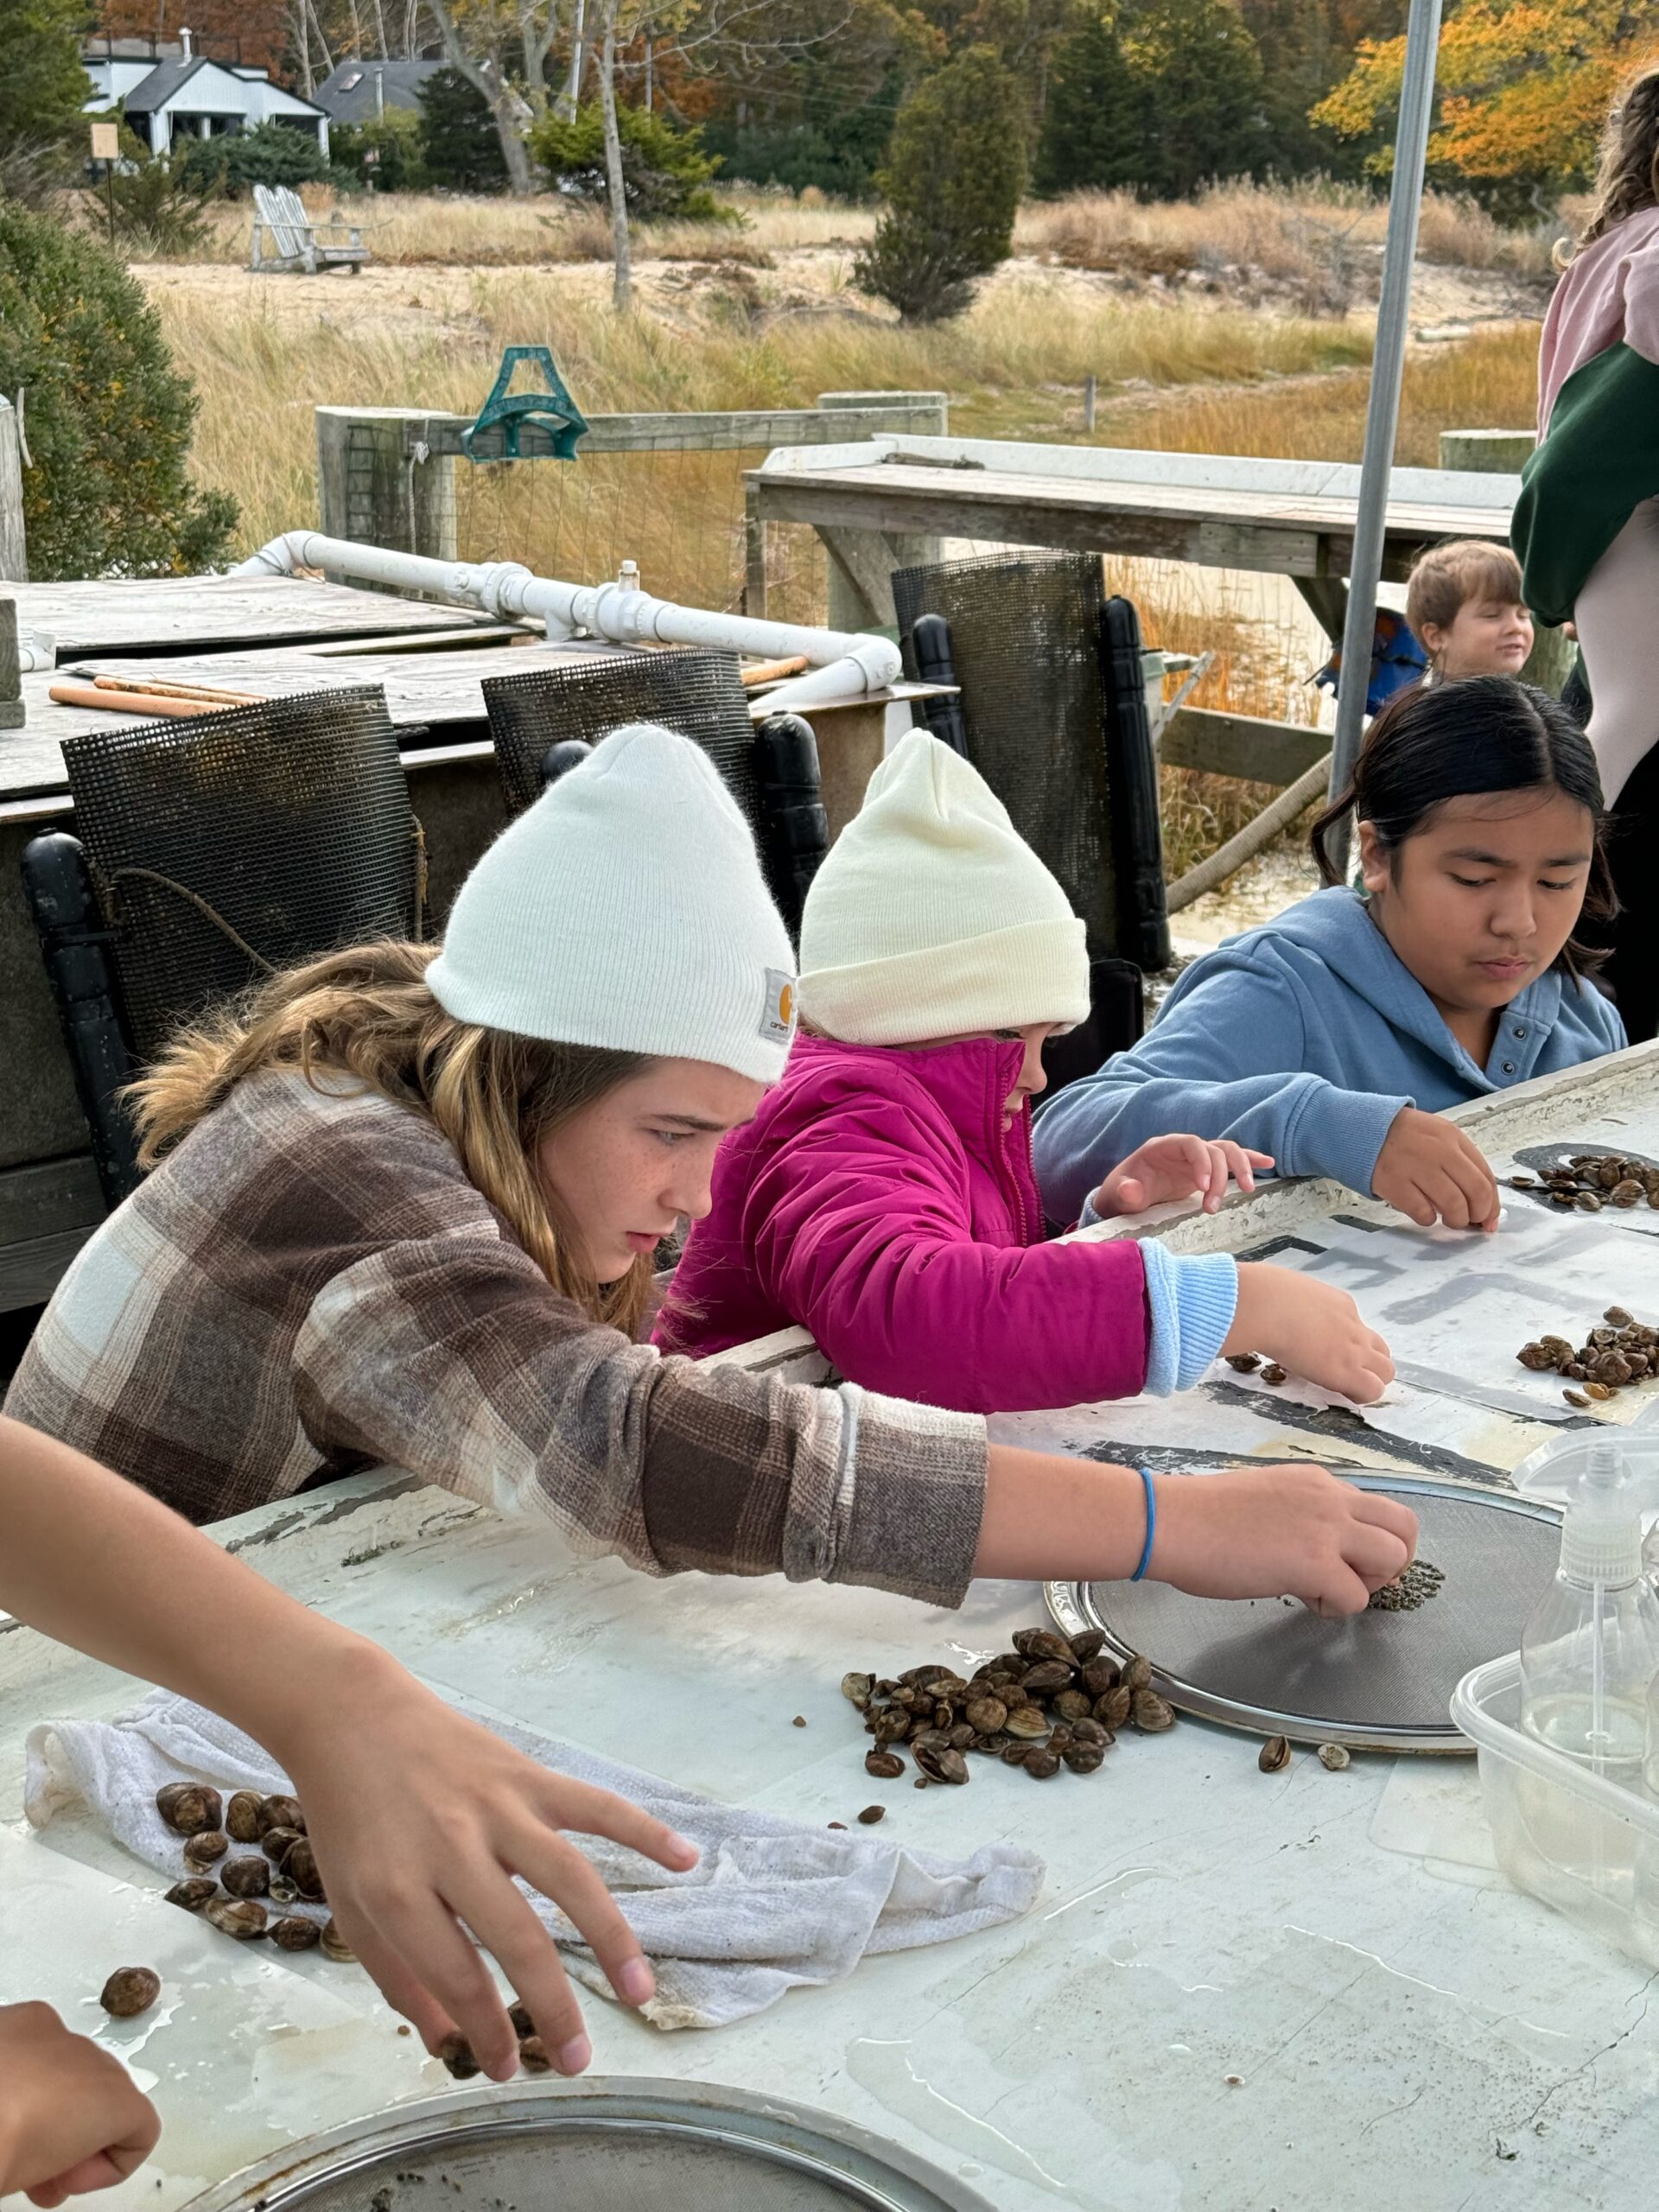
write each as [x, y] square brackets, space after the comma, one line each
[1523, 87]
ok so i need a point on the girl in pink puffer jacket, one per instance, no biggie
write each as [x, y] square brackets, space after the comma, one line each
[883, 1196]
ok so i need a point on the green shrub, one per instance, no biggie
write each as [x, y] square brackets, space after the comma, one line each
[836, 146]
[159, 208]
[460, 147]
[107, 493]
[954, 170]
[387, 153]
[271, 153]
[43, 86]
[664, 171]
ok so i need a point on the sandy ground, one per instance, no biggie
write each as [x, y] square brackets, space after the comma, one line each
[385, 300]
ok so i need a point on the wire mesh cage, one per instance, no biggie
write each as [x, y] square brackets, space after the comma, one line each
[231, 844]
[1025, 633]
[700, 695]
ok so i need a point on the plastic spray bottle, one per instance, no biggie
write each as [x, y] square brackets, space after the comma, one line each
[1590, 1652]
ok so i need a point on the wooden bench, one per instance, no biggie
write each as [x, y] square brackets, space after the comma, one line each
[296, 242]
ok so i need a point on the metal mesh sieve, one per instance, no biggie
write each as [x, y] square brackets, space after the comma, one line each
[265, 835]
[1378, 1680]
[1025, 632]
[698, 694]
[595, 2146]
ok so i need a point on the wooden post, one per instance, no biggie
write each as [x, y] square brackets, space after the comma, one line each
[11, 682]
[1487, 453]
[374, 487]
[859, 563]
[14, 557]
[754, 555]
[1088, 391]
[1505, 453]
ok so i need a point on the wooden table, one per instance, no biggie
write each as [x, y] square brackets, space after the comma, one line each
[1291, 518]
[437, 696]
[170, 614]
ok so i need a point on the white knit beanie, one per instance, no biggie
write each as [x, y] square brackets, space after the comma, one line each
[626, 909]
[932, 917]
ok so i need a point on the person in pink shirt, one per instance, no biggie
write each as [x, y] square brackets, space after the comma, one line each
[883, 1195]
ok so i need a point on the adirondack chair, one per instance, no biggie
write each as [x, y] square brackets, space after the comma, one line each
[296, 241]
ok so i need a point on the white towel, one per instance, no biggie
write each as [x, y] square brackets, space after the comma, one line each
[769, 1904]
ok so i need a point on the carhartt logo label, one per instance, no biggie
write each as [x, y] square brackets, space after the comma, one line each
[778, 1021]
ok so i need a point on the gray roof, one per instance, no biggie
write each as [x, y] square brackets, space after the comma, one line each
[346, 94]
[163, 81]
[168, 79]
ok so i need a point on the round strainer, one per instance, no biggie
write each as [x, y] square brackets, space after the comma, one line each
[621, 2144]
[1379, 1681]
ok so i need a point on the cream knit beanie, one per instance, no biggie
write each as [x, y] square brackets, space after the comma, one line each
[626, 909]
[932, 917]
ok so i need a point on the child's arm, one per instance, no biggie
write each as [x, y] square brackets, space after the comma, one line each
[72, 2118]
[98, 1563]
[1254, 1532]
[1226, 1060]
[859, 1229]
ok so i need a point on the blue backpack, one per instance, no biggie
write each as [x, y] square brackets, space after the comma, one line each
[1397, 660]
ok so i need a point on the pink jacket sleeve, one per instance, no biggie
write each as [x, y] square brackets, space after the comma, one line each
[859, 1227]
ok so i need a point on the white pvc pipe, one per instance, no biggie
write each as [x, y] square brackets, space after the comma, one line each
[846, 665]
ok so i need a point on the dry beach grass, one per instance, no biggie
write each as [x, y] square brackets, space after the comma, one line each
[763, 316]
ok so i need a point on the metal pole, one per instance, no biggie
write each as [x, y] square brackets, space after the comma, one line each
[1382, 415]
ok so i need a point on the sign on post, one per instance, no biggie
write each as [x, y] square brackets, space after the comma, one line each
[106, 141]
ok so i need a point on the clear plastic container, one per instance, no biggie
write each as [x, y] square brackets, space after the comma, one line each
[1583, 1843]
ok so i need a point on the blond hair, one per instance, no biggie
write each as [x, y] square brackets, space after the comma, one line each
[369, 1015]
[1444, 578]
[1627, 160]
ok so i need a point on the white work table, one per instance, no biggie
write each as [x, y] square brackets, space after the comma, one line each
[1239, 1991]
[1403, 2033]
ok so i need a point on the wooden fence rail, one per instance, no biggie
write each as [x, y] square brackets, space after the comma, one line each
[386, 475]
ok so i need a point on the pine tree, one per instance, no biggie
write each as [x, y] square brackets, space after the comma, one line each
[460, 146]
[1159, 97]
[43, 87]
[1094, 128]
[1201, 74]
[954, 170]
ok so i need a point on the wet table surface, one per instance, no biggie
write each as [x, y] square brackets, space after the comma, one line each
[1241, 1992]
[1236, 1990]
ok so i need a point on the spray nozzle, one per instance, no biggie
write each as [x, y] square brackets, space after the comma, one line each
[1606, 1482]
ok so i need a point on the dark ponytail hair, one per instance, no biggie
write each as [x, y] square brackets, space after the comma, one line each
[1453, 740]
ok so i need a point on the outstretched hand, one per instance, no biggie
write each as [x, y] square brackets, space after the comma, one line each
[468, 1813]
[1165, 1168]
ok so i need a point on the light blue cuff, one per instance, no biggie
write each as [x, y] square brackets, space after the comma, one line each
[1088, 1217]
[1193, 1298]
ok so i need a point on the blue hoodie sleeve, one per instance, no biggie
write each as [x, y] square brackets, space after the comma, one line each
[1224, 1059]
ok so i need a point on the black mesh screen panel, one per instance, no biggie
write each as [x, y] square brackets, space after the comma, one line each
[288, 821]
[1023, 634]
[697, 693]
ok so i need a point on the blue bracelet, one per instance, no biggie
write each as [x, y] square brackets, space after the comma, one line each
[1140, 1574]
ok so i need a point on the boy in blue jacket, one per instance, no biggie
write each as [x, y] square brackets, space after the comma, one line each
[1333, 1037]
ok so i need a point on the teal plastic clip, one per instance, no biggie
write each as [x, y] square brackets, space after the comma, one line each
[550, 408]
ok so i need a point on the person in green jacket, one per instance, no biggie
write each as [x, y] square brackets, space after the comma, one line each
[1586, 525]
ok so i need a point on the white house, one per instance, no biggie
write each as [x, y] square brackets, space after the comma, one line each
[188, 95]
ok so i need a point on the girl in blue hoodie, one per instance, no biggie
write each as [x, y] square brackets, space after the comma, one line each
[1333, 1037]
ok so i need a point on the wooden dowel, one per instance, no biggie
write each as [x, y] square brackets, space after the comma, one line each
[769, 671]
[129, 703]
[158, 688]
